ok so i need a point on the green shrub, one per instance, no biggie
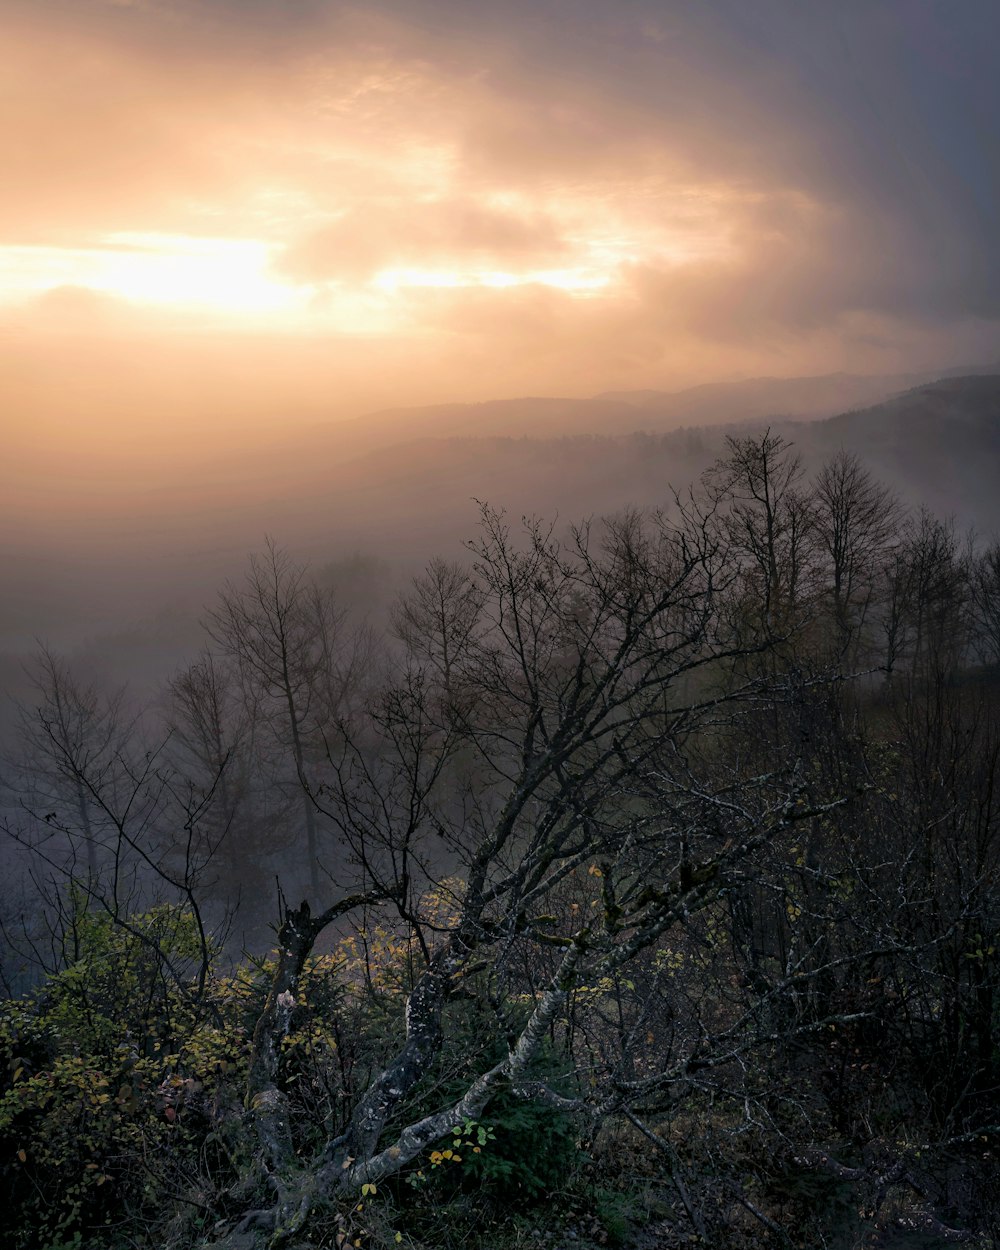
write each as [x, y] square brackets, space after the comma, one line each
[112, 1075]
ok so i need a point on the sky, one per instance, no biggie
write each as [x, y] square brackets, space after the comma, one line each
[226, 222]
[465, 200]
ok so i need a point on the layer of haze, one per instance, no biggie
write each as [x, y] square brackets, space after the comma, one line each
[225, 222]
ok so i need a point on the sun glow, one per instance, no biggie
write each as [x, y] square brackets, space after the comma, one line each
[230, 276]
[238, 280]
[241, 284]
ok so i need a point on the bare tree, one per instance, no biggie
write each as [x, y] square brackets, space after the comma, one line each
[558, 782]
[90, 785]
[857, 525]
[284, 635]
[642, 853]
[437, 621]
[771, 525]
[926, 615]
[984, 591]
[214, 753]
[72, 740]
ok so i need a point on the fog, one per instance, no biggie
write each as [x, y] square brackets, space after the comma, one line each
[139, 478]
[331, 277]
[229, 232]
[483, 470]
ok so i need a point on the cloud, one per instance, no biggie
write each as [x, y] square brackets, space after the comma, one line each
[767, 182]
[432, 234]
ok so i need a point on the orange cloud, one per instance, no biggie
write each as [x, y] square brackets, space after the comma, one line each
[430, 233]
[635, 196]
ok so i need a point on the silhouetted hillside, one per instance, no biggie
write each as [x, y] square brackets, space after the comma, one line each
[404, 489]
[624, 412]
[937, 444]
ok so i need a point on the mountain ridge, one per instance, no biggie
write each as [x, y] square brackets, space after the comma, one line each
[810, 397]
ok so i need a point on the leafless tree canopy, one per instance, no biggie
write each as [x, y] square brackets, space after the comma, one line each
[666, 816]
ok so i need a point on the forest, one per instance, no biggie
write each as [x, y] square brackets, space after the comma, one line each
[628, 883]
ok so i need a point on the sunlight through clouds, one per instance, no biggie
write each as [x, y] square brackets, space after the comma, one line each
[573, 281]
[630, 199]
[224, 275]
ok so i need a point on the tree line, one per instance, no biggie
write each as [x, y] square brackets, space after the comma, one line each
[663, 846]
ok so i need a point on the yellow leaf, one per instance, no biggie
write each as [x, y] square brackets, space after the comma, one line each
[22, 1156]
[399, 1238]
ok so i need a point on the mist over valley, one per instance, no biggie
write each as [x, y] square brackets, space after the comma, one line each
[499, 625]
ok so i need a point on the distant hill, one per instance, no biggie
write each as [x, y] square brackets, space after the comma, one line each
[757, 398]
[624, 412]
[937, 444]
[616, 413]
[401, 488]
[939, 441]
